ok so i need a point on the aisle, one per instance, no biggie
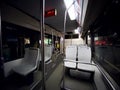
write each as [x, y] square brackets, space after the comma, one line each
[54, 81]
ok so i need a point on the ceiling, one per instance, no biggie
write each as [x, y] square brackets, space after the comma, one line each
[32, 8]
[95, 9]
[102, 17]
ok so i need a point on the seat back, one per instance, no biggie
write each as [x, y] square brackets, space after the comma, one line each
[71, 52]
[31, 56]
[84, 54]
[48, 52]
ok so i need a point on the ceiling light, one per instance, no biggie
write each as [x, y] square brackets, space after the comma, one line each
[71, 9]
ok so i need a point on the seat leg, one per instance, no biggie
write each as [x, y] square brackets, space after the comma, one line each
[67, 71]
[92, 76]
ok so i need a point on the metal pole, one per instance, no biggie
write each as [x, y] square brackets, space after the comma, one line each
[1, 55]
[86, 39]
[71, 39]
[65, 15]
[42, 28]
[64, 47]
[92, 43]
[64, 31]
[52, 42]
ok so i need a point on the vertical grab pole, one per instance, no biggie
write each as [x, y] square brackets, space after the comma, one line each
[92, 43]
[86, 39]
[1, 54]
[64, 47]
[65, 15]
[42, 28]
[52, 42]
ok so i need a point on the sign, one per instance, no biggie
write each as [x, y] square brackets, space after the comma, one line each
[50, 13]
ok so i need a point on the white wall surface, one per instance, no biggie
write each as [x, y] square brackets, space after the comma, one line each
[73, 41]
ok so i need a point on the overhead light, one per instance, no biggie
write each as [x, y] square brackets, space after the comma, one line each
[71, 9]
[77, 31]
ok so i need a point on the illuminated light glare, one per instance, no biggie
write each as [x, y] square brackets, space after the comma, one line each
[39, 41]
[71, 11]
[27, 41]
[79, 35]
[61, 39]
[76, 31]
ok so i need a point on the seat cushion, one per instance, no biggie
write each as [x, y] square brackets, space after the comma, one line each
[70, 64]
[85, 67]
[24, 69]
[47, 58]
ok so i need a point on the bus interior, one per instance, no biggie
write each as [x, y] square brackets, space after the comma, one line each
[43, 48]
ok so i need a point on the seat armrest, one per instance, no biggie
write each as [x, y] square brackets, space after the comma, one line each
[69, 60]
[85, 63]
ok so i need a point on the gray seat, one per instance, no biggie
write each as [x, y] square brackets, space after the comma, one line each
[84, 59]
[70, 57]
[29, 63]
[48, 52]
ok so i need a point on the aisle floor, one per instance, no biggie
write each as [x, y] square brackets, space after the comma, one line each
[72, 82]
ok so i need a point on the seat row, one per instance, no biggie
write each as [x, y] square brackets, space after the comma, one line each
[31, 60]
[79, 57]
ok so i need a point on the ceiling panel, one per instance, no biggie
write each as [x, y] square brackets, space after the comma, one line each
[32, 8]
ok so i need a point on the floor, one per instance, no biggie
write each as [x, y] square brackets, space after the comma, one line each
[75, 81]
[17, 82]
